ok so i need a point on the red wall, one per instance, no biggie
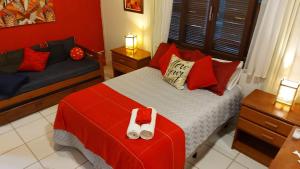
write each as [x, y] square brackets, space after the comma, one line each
[81, 18]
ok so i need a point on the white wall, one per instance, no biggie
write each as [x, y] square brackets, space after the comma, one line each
[117, 23]
[248, 84]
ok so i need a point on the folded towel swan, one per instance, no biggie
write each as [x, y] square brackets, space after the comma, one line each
[145, 131]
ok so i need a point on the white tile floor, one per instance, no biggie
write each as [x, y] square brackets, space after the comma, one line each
[27, 144]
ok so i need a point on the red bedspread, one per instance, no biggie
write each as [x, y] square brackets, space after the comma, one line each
[99, 117]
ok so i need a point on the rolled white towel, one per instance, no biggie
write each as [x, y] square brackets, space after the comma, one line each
[133, 130]
[147, 130]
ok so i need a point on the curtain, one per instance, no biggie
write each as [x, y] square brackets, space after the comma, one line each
[274, 52]
[265, 37]
[287, 49]
[162, 21]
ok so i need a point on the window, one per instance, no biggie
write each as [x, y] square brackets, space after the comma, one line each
[222, 28]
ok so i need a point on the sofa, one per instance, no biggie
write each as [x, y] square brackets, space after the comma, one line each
[46, 88]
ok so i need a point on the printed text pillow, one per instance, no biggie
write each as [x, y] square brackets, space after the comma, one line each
[177, 72]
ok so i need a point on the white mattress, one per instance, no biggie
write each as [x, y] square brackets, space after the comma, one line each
[199, 113]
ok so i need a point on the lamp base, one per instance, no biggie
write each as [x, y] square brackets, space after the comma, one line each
[284, 107]
[130, 52]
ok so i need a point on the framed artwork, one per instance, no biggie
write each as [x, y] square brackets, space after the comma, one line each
[134, 6]
[24, 12]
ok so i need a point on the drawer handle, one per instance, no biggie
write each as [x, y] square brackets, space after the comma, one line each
[122, 60]
[267, 137]
[271, 125]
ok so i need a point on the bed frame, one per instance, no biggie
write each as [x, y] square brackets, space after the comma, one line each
[30, 102]
[212, 139]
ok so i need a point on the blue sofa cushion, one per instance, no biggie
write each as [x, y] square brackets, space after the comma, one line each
[10, 61]
[57, 72]
[68, 43]
[10, 83]
[57, 53]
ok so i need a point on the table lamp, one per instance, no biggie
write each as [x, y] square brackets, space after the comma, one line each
[131, 42]
[287, 92]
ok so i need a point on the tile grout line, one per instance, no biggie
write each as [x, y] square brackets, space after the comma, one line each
[8, 130]
[230, 164]
[27, 122]
[45, 117]
[11, 149]
[24, 143]
[225, 154]
[239, 162]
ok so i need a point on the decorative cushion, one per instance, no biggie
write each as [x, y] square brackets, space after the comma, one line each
[177, 72]
[202, 74]
[77, 53]
[9, 84]
[10, 61]
[223, 72]
[165, 59]
[34, 61]
[236, 75]
[162, 49]
[57, 53]
[68, 43]
[191, 55]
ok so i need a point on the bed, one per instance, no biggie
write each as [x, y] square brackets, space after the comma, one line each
[199, 113]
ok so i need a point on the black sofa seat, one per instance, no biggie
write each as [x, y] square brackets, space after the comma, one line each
[57, 72]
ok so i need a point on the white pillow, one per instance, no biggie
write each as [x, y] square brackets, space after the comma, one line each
[235, 76]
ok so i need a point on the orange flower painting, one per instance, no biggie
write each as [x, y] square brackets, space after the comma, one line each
[134, 5]
[24, 12]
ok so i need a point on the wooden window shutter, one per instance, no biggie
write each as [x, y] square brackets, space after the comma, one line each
[232, 27]
[175, 20]
[197, 12]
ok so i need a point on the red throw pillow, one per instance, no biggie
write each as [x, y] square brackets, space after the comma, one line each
[34, 61]
[162, 49]
[143, 116]
[192, 55]
[165, 59]
[202, 74]
[77, 53]
[223, 72]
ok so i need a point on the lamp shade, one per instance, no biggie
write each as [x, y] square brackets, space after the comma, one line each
[287, 92]
[131, 41]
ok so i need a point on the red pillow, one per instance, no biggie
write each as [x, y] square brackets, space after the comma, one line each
[202, 74]
[34, 61]
[223, 72]
[166, 58]
[192, 55]
[162, 49]
[77, 53]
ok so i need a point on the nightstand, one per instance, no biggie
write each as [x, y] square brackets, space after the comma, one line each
[125, 61]
[284, 158]
[263, 126]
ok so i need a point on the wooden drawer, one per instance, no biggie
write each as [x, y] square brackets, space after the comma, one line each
[266, 121]
[125, 61]
[261, 133]
[122, 68]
